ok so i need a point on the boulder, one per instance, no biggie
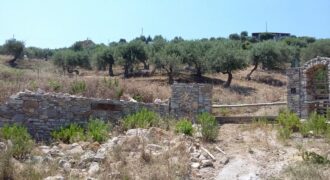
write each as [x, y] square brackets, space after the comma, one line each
[94, 168]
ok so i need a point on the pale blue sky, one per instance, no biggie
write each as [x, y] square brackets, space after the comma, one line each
[59, 23]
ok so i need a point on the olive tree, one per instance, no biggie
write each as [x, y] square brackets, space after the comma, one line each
[68, 60]
[104, 58]
[169, 58]
[130, 54]
[227, 57]
[14, 48]
[194, 53]
[318, 48]
[269, 54]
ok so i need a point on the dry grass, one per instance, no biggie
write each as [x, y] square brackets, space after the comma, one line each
[132, 160]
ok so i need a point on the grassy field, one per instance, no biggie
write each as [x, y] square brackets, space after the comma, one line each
[266, 86]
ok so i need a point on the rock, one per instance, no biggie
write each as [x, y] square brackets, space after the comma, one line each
[55, 152]
[44, 149]
[206, 163]
[88, 156]
[195, 165]
[224, 160]
[202, 157]
[48, 158]
[100, 155]
[94, 146]
[40, 91]
[154, 147]
[3, 146]
[193, 159]
[79, 174]
[195, 154]
[67, 167]
[137, 132]
[77, 149]
[37, 159]
[93, 168]
[58, 177]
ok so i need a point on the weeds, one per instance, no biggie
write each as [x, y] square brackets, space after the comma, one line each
[314, 158]
[70, 134]
[209, 126]
[142, 119]
[97, 130]
[317, 124]
[184, 126]
[288, 123]
[54, 85]
[78, 87]
[20, 138]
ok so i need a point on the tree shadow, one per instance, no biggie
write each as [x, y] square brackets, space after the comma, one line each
[269, 80]
[196, 79]
[242, 90]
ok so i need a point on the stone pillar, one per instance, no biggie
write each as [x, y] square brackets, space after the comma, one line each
[294, 91]
[189, 100]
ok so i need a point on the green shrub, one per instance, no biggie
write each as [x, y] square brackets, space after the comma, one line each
[21, 139]
[209, 126]
[184, 126]
[316, 123]
[97, 130]
[142, 119]
[288, 122]
[54, 85]
[70, 134]
[78, 87]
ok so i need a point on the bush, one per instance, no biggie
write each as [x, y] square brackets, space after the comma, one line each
[141, 119]
[21, 139]
[316, 123]
[70, 134]
[209, 126]
[184, 126]
[97, 130]
[54, 85]
[78, 87]
[288, 123]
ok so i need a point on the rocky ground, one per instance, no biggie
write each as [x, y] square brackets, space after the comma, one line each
[241, 152]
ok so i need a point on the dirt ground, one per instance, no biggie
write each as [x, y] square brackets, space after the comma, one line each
[254, 152]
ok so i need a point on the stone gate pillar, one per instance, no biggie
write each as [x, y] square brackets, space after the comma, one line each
[189, 100]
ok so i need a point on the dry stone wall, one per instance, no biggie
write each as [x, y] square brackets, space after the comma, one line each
[43, 112]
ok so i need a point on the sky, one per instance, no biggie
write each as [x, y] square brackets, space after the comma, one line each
[59, 23]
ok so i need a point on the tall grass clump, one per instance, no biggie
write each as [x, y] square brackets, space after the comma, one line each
[72, 133]
[54, 85]
[288, 122]
[141, 119]
[20, 138]
[209, 126]
[184, 126]
[97, 130]
[78, 87]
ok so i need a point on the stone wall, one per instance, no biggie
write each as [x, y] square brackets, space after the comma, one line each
[43, 113]
[188, 100]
